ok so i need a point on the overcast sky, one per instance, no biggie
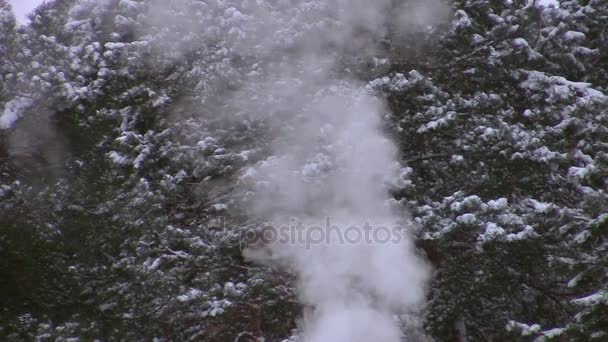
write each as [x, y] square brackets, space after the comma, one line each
[23, 7]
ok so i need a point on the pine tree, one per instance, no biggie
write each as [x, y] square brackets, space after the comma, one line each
[125, 127]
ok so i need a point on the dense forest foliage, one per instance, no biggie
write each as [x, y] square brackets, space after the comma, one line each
[126, 126]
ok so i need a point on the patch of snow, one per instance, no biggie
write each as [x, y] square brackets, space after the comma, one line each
[156, 263]
[559, 87]
[191, 295]
[128, 4]
[574, 36]
[582, 237]
[548, 3]
[594, 299]
[526, 330]
[206, 143]
[463, 20]
[217, 308]
[466, 219]
[219, 207]
[528, 113]
[13, 111]
[492, 232]
[118, 158]
[457, 158]
[528, 232]
[553, 333]
[232, 290]
[498, 204]
[520, 43]
[574, 281]
[540, 207]
[580, 172]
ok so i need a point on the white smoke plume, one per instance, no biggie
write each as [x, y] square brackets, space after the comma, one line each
[334, 161]
[330, 157]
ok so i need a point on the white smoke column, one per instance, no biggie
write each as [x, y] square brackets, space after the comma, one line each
[332, 160]
[335, 163]
[355, 288]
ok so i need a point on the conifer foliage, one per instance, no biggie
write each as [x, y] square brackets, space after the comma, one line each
[126, 125]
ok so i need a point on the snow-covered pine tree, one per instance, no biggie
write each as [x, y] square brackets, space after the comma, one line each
[119, 153]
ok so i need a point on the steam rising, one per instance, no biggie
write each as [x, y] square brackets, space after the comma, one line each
[334, 161]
